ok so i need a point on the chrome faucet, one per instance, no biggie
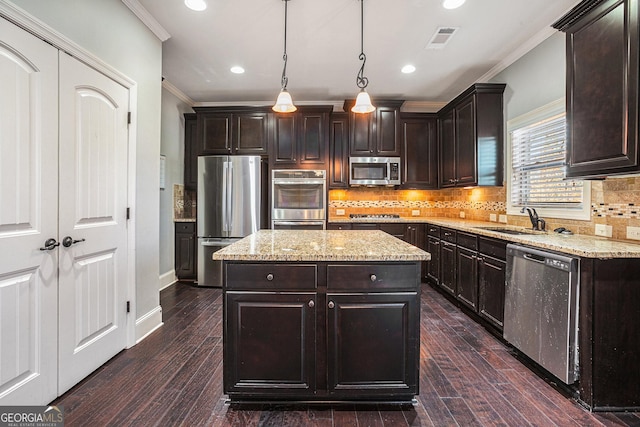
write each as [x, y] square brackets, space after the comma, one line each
[537, 223]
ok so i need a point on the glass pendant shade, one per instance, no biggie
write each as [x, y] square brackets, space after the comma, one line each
[363, 103]
[284, 103]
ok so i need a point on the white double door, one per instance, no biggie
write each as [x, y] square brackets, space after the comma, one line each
[63, 229]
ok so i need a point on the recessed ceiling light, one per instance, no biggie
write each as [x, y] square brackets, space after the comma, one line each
[408, 69]
[197, 5]
[452, 4]
[237, 69]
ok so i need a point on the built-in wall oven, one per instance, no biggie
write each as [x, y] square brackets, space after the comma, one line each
[298, 199]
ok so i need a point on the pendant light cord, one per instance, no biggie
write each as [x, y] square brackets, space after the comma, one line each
[361, 80]
[285, 79]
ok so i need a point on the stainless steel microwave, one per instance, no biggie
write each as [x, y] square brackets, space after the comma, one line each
[374, 171]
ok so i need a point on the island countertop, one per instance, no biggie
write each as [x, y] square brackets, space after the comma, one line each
[321, 245]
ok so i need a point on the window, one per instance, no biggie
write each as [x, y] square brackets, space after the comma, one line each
[536, 166]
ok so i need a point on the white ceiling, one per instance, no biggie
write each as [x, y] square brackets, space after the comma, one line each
[323, 44]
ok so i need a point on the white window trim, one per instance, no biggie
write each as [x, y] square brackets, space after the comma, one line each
[549, 110]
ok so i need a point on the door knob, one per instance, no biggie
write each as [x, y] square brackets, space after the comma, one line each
[68, 241]
[49, 245]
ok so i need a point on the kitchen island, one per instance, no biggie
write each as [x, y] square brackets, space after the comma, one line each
[321, 316]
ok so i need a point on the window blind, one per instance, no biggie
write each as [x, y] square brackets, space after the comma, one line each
[538, 159]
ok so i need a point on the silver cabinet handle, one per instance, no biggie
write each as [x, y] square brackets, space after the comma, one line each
[331, 304]
[312, 304]
[373, 277]
[269, 277]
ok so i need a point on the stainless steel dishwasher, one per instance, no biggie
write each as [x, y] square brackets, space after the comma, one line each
[541, 308]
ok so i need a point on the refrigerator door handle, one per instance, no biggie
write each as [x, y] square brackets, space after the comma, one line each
[230, 198]
[225, 196]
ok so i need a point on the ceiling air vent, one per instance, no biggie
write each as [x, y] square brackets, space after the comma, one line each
[441, 37]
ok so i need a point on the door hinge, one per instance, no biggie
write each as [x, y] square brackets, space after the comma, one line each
[128, 213]
[129, 117]
[128, 306]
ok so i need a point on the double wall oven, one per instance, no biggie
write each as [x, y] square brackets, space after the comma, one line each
[298, 199]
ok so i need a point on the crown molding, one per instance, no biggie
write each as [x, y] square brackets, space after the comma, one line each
[147, 19]
[166, 84]
[422, 106]
[337, 105]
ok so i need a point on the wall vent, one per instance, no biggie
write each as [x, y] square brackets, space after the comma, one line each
[441, 37]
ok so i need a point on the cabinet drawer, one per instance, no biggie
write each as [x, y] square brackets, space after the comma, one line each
[433, 230]
[271, 276]
[339, 226]
[492, 247]
[468, 241]
[448, 235]
[185, 227]
[373, 277]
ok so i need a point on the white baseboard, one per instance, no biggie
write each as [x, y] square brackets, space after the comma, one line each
[167, 279]
[147, 323]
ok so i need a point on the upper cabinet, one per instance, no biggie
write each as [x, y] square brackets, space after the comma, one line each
[221, 131]
[376, 133]
[419, 150]
[190, 153]
[300, 139]
[471, 138]
[602, 87]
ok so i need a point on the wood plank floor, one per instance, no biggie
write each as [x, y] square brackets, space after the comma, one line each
[174, 377]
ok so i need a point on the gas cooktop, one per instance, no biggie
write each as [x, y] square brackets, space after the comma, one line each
[375, 216]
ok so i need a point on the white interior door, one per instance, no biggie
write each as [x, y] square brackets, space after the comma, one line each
[93, 201]
[28, 217]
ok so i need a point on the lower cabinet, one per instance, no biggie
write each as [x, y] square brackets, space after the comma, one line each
[491, 283]
[185, 250]
[323, 331]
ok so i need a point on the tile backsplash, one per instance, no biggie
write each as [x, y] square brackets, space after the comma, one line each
[184, 203]
[614, 201]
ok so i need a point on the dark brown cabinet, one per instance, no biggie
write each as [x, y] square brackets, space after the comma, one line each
[339, 151]
[224, 131]
[376, 133]
[470, 137]
[419, 150]
[185, 250]
[190, 152]
[432, 238]
[602, 47]
[301, 139]
[467, 270]
[448, 261]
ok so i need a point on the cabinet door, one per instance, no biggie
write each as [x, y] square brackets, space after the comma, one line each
[448, 267]
[185, 256]
[447, 150]
[396, 230]
[373, 344]
[602, 91]
[250, 132]
[284, 140]
[270, 344]
[491, 287]
[190, 152]
[465, 146]
[361, 132]
[214, 133]
[339, 151]
[387, 131]
[467, 277]
[419, 154]
[433, 266]
[312, 144]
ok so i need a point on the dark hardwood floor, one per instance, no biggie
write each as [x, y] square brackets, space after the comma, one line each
[174, 377]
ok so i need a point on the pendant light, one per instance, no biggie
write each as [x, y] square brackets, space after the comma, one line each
[363, 101]
[284, 103]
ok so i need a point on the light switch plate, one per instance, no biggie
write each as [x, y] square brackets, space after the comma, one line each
[461, 214]
[415, 212]
[339, 211]
[604, 230]
[493, 217]
[502, 218]
[633, 233]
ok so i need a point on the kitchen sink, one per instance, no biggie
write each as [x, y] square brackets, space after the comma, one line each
[511, 231]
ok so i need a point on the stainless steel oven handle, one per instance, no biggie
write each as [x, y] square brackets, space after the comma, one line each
[299, 182]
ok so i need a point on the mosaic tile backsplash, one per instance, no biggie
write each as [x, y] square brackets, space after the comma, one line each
[184, 203]
[614, 201]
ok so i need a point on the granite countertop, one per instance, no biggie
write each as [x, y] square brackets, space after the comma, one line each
[321, 245]
[581, 245]
[184, 220]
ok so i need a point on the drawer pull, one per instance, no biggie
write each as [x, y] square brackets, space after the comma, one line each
[373, 277]
[331, 304]
[311, 304]
[269, 277]
[447, 234]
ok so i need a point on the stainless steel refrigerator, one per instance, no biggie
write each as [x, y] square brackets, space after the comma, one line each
[228, 208]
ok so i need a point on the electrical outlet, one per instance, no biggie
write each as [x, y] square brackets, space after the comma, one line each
[339, 211]
[604, 230]
[633, 233]
[493, 217]
[502, 218]
[461, 214]
[415, 212]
